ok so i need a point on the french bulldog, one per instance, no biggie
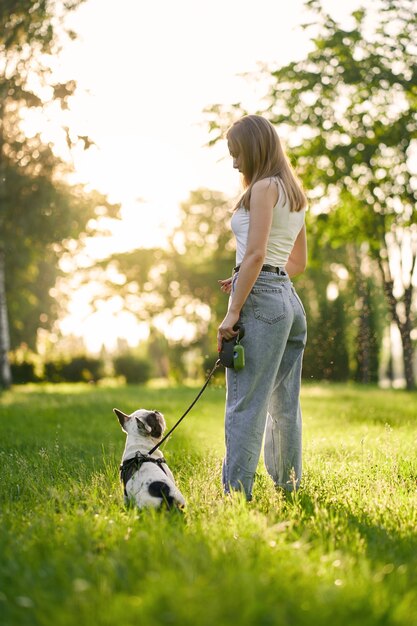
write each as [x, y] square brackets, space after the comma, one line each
[147, 480]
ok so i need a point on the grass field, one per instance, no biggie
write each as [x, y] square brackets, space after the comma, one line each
[343, 551]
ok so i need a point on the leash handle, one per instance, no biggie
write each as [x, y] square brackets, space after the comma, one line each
[216, 365]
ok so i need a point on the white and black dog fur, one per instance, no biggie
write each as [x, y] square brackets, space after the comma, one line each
[148, 481]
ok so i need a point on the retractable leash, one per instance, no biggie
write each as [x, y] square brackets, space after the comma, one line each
[231, 355]
[216, 365]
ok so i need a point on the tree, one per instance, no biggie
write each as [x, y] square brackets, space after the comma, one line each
[202, 253]
[368, 333]
[328, 297]
[5, 371]
[353, 103]
[179, 283]
[41, 215]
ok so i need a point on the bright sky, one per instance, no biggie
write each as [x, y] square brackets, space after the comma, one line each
[145, 72]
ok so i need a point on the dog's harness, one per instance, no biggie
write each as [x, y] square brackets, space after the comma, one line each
[130, 466]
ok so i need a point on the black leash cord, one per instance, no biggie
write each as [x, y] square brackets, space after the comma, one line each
[216, 365]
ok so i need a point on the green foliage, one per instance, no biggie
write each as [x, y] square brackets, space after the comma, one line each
[343, 550]
[158, 353]
[53, 371]
[202, 253]
[344, 336]
[41, 215]
[326, 356]
[23, 372]
[77, 369]
[31, 24]
[82, 368]
[26, 366]
[352, 102]
[367, 338]
[181, 282]
[135, 369]
[178, 281]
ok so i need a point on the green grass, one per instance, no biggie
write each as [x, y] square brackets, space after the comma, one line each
[343, 551]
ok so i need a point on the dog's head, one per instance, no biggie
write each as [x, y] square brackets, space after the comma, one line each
[142, 422]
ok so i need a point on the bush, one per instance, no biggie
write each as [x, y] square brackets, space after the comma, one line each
[133, 368]
[78, 369]
[23, 372]
[25, 365]
[82, 368]
[52, 371]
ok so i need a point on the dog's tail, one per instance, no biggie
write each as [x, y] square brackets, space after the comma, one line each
[159, 489]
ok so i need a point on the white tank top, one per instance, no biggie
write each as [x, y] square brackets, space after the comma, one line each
[285, 227]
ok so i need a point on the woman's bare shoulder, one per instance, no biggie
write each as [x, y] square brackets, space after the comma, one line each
[266, 187]
[266, 183]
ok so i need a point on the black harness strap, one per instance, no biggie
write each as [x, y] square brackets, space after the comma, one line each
[130, 466]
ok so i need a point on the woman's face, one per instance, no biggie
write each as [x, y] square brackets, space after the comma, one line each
[237, 164]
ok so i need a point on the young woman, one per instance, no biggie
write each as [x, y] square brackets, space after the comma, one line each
[268, 224]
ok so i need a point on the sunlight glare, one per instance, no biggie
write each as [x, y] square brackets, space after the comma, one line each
[142, 85]
[104, 327]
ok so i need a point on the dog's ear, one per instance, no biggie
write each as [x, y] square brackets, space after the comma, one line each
[143, 425]
[156, 423]
[121, 417]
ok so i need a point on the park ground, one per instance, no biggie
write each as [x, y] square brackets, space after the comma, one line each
[342, 551]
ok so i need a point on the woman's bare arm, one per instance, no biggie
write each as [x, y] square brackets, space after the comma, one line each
[263, 199]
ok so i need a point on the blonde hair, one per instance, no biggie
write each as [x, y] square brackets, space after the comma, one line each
[255, 142]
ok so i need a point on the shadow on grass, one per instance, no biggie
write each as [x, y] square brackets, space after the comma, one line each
[381, 545]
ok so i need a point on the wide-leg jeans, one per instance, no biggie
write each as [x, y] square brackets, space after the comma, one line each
[263, 399]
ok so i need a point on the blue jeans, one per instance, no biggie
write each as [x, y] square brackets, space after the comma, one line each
[266, 392]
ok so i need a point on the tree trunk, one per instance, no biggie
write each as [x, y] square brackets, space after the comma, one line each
[363, 340]
[407, 346]
[403, 323]
[5, 372]
[366, 349]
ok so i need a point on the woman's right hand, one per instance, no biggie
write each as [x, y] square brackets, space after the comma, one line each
[226, 285]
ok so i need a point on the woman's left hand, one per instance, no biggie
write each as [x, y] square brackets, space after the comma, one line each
[226, 328]
[226, 285]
